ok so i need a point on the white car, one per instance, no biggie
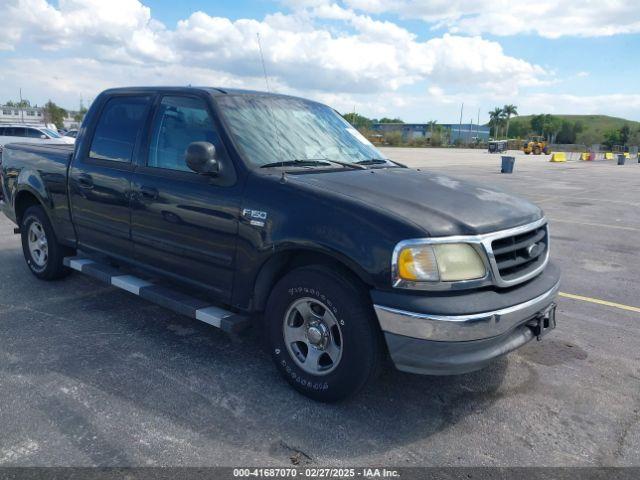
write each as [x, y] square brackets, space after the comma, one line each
[31, 134]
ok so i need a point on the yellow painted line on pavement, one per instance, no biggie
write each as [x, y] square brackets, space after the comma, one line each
[600, 302]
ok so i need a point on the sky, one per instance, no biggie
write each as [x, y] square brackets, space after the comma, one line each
[414, 59]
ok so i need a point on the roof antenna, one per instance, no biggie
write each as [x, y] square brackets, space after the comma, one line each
[264, 67]
[268, 103]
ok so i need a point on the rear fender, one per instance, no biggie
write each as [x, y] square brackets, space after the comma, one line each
[29, 182]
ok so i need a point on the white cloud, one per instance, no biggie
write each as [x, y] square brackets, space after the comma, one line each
[52, 78]
[547, 18]
[323, 50]
[65, 80]
[117, 29]
[622, 105]
[366, 56]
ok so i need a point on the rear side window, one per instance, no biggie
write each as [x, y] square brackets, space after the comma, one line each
[118, 127]
[2, 132]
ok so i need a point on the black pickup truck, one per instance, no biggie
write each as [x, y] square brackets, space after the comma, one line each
[271, 209]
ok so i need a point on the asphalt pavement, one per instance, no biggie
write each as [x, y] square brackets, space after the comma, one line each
[94, 376]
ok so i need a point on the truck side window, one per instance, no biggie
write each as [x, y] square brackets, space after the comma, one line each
[178, 122]
[118, 126]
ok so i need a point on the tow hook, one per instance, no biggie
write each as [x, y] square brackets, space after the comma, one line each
[544, 322]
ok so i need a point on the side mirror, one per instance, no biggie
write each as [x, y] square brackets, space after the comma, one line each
[201, 158]
[43, 137]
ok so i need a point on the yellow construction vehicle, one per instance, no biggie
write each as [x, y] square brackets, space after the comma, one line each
[536, 145]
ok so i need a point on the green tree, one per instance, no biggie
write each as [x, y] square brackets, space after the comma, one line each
[547, 125]
[552, 126]
[537, 123]
[625, 132]
[358, 121]
[611, 138]
[519, 129]
[509, 110]
[390, 120]
[54, 114]
[495, 120]
[24, 103]
[569, 131]
[565, 133]
[79, 115]
[634, 138]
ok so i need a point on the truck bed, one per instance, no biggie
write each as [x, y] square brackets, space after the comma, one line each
[56, 149]
[41, 169]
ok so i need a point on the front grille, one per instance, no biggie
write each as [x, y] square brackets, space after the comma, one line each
[518, 255]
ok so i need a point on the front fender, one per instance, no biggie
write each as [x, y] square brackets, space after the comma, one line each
[315, 248]
[300, 218]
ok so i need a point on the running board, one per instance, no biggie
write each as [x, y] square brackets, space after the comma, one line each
[173, 300]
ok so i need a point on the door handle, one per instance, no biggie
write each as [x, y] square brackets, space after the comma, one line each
[150, 193]
[85, 181]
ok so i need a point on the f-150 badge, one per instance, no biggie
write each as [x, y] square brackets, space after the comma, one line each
[255, 217]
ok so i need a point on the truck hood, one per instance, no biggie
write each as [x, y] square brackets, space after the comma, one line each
[438, 204]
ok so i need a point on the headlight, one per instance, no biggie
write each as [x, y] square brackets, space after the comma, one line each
[445, 262]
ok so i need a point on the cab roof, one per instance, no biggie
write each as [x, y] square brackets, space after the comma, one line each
[213, 91]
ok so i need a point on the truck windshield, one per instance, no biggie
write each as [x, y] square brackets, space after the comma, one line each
[273, 131]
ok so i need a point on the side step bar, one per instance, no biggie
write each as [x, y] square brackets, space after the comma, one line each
[173, 300]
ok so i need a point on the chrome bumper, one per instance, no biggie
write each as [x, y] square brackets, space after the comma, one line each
[460, 328]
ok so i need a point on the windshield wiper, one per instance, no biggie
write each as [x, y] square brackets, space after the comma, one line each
[295, 163]
[347, 164]
[373, 161]
[311, 163]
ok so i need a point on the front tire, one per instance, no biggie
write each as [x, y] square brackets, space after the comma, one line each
[322, 333]
[42, 252]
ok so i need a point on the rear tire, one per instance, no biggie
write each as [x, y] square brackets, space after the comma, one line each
[42, 251]
[322, 333]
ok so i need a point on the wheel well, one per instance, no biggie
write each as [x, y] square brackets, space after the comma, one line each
[24, 200]
[283, 262]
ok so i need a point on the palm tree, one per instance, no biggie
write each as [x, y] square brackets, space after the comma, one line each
[495, 116]
[509, 110]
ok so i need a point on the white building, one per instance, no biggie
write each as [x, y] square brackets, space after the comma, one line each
[33, 116]
[20, 115]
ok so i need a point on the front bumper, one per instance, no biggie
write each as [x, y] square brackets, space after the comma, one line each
[446, 343]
